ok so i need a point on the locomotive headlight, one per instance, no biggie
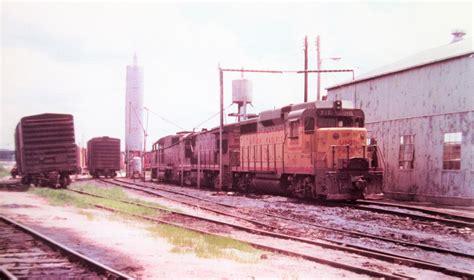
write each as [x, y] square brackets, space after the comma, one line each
[335, 136]
[362, 136]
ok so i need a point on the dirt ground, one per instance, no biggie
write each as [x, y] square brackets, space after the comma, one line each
[127, 245]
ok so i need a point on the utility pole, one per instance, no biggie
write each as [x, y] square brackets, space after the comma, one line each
[199, 166]
[305, 68]
[318, 67]
[221, 126]
[145, 134]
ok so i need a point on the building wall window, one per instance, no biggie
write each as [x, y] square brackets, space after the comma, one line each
[406, 157]
[452, 151]
[294, 129]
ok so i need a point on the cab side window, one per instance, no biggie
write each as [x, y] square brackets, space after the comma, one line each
[294, 129]
[309, 125]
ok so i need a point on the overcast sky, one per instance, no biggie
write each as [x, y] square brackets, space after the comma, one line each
[71, 57]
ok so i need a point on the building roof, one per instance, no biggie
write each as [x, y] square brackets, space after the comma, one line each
[430, 56]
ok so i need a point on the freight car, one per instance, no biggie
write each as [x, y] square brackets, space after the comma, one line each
[45, 149]
[103, 156]
[314, 150]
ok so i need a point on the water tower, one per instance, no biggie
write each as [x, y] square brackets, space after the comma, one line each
[242, 96]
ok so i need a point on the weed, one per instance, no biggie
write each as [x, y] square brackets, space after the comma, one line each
[205, 245]
[4, 171]
[65, 197]
[88, 215]
[185, 241]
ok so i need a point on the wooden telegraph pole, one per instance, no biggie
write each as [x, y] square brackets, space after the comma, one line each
[221, 126]
[306, 69]
[318, 67]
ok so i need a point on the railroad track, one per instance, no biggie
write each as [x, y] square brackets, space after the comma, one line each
[27, 254]
[7, 184]
[275, 231]
[451, 216]
[429, 216]
[260, 245]
[299, 222]
[436, 216]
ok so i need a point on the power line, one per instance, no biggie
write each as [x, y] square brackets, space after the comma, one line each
[196, 126]
[166, 120]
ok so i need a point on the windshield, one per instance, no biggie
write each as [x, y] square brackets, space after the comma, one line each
[340, 121]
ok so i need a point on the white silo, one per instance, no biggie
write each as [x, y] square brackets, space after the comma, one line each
[134, 131]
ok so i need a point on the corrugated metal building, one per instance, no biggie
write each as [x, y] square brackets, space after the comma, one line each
[420, 111]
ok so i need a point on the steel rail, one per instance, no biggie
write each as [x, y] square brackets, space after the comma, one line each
[445, 221]
[95, 266]
[385, 211]
[381, 238]
[14, 183]
[417, 208]
[5, 274]
[194, 205]
[267, 247]
[341, 246]
[347, 232]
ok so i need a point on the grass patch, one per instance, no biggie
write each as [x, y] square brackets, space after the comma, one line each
[63, 197]
[4, 171]
[118, 194]
[184, 241]
[88, 215]
[205, 245]
[290, 277]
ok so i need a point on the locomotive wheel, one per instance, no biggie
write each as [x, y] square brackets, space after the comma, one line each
[36, 182]
[242, 184]
[310, 190]
[25, 180]
[209, 180]
[215, 183]
[298, 188]
[63, 182]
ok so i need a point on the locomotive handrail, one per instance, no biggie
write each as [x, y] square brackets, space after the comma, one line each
[364, 152]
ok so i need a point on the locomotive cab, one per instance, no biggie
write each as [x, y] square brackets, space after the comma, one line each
[344, 158]
[329, 142]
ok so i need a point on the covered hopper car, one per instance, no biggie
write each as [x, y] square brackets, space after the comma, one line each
[45, 149]
[314, 150]
[103, 156]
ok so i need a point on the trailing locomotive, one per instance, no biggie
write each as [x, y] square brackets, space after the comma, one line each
[315, 150]
[103, 156]
[45, 149]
